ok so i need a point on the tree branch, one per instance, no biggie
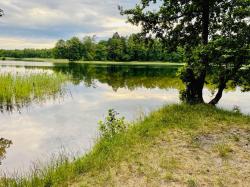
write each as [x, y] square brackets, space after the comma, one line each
[218, 96]
[224, 80]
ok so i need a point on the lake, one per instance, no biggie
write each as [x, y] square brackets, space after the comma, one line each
[68, 121]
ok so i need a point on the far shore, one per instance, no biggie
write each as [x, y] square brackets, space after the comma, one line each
[65, 61]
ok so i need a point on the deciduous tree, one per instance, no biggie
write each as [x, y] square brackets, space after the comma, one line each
[214, 33]
[74, 49]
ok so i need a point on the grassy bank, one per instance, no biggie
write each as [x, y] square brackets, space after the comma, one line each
[52, 60]
[178, 145]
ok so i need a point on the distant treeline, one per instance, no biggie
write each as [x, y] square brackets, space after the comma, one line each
[116, 48]
[27, 53]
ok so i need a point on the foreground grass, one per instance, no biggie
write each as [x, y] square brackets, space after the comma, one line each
[62, 61]
[21, 89]
[178, 145]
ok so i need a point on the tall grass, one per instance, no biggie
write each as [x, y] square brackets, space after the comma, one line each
[18, 90]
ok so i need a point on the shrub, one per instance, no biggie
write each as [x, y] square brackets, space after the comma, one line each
[112, 125]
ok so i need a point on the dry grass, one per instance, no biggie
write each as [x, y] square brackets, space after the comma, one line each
[172, 160]
[207, 156]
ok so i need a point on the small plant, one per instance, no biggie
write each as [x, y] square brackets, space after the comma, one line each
[168, 176]
[4, 144]
[169, 164]
[236, 109]
[236, 138]
[223, 149]
[191, 183]
[220, 183]
[112, 125]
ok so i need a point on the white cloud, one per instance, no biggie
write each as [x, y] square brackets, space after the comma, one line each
[21, 43]
[36, 23]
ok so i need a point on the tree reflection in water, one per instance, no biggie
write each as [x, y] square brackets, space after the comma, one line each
[119, 76]
[123, 76]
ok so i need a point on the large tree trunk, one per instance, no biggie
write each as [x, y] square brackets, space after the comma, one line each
[221, 87]
[194, 93]
[194, 89]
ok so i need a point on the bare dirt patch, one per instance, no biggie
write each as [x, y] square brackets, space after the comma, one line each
[178, 158]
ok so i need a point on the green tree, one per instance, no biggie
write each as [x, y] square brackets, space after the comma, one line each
[117, 48]
[60, 49]
[89, 48]
[214, 34]
[136, 48]
[101, 51]
[155, 50]
[74, 49]
[175, 56]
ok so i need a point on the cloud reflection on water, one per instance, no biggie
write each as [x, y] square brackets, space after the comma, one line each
[71, 121]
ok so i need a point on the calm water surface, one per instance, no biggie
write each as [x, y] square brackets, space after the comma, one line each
[69, 122]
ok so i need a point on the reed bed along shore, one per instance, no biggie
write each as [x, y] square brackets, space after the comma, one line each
[18, 89]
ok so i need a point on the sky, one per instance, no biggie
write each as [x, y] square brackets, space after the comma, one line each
[40, 23]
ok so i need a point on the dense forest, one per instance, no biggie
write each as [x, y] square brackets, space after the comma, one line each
[27, 53]
[116, 48]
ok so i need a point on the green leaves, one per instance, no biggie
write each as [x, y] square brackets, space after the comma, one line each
[180, 22]
[214, 34]
[4, 144]
[74, 49]
[112, 125]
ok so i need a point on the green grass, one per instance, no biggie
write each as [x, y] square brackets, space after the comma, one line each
[52, 60]
[21, 89]
[191, 183]
[155, 147]
[223, 149]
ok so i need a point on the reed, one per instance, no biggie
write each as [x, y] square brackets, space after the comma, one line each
[17, 90]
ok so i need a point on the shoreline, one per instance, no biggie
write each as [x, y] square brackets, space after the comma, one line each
[159, 149]
[64, 61]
